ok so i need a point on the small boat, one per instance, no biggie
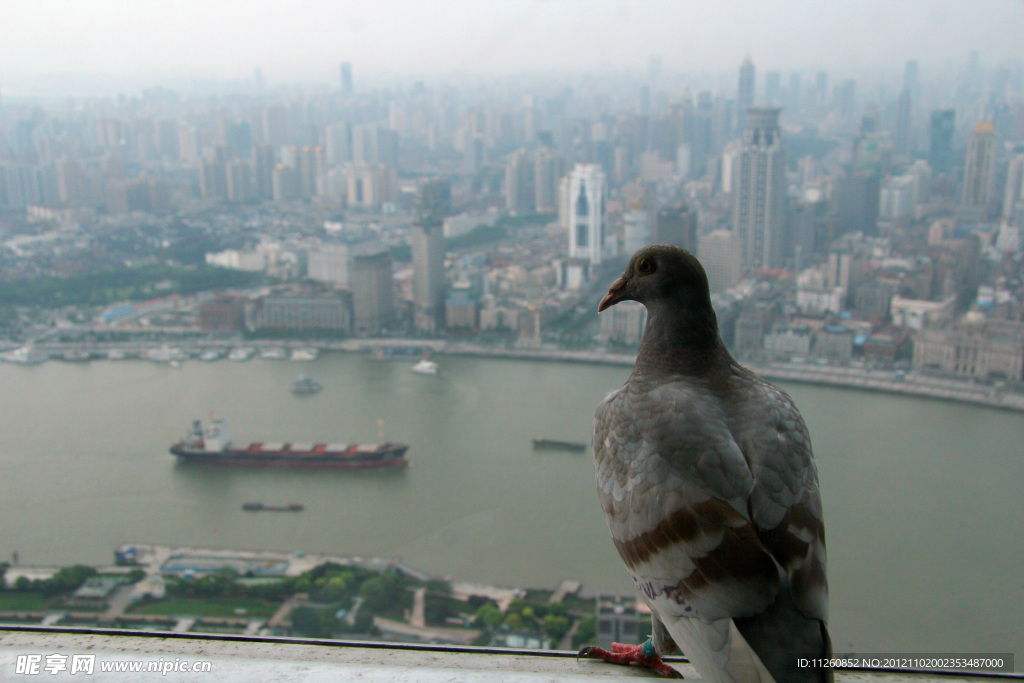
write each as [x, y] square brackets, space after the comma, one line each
[425, 367]
[305, 353]
[274, 353]
[241, 353]
[555, 444]
[166, 354]
[256, 507]
[304, 385]
[26, 355]
[211, 355]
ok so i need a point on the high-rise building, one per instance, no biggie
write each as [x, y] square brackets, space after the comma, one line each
[721, 253]
[264, 162]
[1014, 192]
[677, 224]
[548, 169]
[912, 76]
[745, 93]
[979, 165]
[346, 78]
[759, 190]
[373, 303]
[520, 188]
[856, 200]
[241, 186]
[901, 130]
[330, 263]
[773, 87]
[636, 228]
[587, 188]
[433, 204]
[940, 142]
[275, 125]
[338, 143]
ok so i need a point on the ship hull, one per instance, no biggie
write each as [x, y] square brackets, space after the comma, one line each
[394, 457]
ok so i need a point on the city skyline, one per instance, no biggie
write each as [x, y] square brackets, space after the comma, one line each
[114, 43]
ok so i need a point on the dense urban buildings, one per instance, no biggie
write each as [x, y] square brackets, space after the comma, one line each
[841, 217]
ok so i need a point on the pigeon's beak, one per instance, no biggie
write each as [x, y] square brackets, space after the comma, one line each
[615, 294]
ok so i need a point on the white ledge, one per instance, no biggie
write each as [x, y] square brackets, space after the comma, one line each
[243, 659]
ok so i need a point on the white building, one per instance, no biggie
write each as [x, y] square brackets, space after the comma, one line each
[759, 190]
[897, 197]
[587, 188]
[721, 253]
[624, 323]
[979, 167]
[330, 263]
[1014, 191]
[785, 341]
[636, 228]
[918, 315]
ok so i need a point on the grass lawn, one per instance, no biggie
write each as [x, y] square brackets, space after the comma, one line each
[25, 602]
[208, 607]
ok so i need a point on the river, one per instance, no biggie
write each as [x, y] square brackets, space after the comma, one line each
[922, 499]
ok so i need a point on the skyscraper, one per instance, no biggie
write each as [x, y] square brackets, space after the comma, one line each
[759, 190]
[373, 306]
[901, 131]
[940, 142]
[346, 78]
[979, 165]
[744, 93]
[635, 228]
[433, 204]
[586, 213]
[721, 253]
[856, 201]
[520, 185]
[677, 224]
[1014, 192]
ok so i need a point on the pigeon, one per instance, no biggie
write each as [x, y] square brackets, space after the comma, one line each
[705, 473]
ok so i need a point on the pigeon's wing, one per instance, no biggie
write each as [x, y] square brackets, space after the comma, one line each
[785, 503]
[689, 499]
[674, 485]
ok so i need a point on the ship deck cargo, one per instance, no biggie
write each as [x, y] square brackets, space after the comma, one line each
[213, 445]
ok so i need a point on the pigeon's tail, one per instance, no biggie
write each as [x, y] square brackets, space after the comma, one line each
[782, 636]
[764, 648]
[720, 652]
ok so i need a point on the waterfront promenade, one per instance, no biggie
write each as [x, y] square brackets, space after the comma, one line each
[907, 383]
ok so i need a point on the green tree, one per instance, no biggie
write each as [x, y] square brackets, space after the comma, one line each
[555, 626]
[312, 622]
[67, 579]
[489, 614]
[514, 621]
[586, 632]
[334, 588]
[558, 608]
[374, 593]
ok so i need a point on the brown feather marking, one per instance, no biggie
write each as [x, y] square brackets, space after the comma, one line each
[738, 555]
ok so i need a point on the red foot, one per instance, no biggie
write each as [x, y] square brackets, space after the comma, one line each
[630, 654]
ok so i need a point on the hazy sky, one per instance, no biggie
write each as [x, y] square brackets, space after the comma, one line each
[306, 39]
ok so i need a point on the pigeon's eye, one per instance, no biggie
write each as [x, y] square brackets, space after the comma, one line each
[645, 266]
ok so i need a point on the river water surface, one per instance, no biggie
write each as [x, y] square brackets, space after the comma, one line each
[922, 499]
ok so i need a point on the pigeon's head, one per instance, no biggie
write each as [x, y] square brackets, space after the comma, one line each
[660, 272]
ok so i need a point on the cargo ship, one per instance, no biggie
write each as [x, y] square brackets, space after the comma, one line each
[559, 445]
[213, 445]
[257, 507]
